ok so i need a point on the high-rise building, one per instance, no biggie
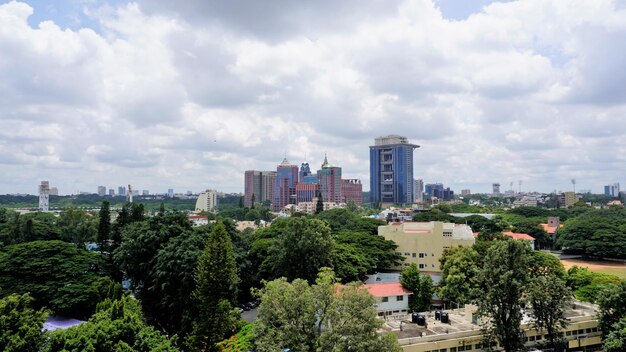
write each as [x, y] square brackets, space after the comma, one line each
[207, 201]
[305, 171]
[305, 192]
[54, 191]
[448, 194]
[466, 192]
[285, 186]
[418, 190]
[434, 190]
[329, 180]
[170, 192]
[145, 192]
[111, 192]
[495, 187]
[568, 199]
[44, 196]
[258, 187]
[391, 170]
[352, 191]
[102, 191]
[121, 191]
[612, 190]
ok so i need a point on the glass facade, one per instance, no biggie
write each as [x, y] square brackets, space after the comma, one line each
[391, 171]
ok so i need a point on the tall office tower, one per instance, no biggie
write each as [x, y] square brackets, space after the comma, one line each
[145, 192]
[466, 192]
[121, 191]
[305, 171]
[258, 187]
[54, 191]
[111, 192]
[102, 191]
[418, 191]
[329, 180]
[612, 190]
[391, 170]
[285, 186]
[207, 201]
[495, 189]
[44, 196]
[352, 191]
[170, 192]
[448, 194]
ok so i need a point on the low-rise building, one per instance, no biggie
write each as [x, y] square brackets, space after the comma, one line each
[423, 243]
[462, 332]
[391, 298]
[198, 220]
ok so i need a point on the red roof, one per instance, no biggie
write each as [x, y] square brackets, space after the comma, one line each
[550, 229]
[197, 217]
[387, 289]
[519, 236]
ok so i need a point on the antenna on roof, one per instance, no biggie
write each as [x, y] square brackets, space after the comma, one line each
[574, 184]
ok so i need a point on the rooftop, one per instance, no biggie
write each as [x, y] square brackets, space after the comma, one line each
[387, 289]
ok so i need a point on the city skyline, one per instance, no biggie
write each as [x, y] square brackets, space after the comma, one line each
[189, 96]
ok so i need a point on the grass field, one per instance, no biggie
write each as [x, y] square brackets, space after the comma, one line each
[617, 269]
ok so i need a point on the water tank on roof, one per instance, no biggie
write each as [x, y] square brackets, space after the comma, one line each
[445, 318]
[437, 314]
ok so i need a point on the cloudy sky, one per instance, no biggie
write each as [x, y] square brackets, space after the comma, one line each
[189, 94]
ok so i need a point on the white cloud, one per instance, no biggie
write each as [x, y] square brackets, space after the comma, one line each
[190, 96]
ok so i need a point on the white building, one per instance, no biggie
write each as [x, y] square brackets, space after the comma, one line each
[391, 298]
[44, 196]
[207, 201]
[198, 220]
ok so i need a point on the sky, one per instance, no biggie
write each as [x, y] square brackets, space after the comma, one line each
[190, 94]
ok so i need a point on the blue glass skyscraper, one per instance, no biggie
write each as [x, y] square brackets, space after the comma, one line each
[391, 170]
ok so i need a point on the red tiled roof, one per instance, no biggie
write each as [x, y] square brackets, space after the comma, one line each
[519, 236]
[550, 229]
[387, 289]
[197, 217]
[476, 234]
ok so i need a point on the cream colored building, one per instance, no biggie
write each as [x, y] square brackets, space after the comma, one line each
[464, 334]
[207, 201]
[423, 243]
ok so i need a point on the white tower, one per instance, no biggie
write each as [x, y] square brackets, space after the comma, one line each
[44, 196]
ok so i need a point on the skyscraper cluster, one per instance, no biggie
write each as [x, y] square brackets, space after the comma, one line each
[292, 185]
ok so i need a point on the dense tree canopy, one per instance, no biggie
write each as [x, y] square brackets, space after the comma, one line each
[57, 275]
[21, 327]
[599, 233]
[459, 274]
[116, 326]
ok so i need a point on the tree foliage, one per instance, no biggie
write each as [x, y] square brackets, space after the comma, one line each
[420, 285]
[459, 274]
[600, 233]
[615, 341]
[502, 281]
[216, 277]
[56, 274]
[611, 306]
[20, 326]
[548, 298]
[300, 238]
[116, 326]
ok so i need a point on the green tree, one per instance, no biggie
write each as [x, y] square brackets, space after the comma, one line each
[286, 317]
[503, 280]
[615, 341]
[76, 226]
[116, 326]
[611, 306]
[545, 264]
[104, 224]
[319, 206]
[420, 285]
[56, 274]
[300, 238]
[352, 324]
[216, 277]
[459, 274]
[549, 297]
[20, 326]
[600, 233]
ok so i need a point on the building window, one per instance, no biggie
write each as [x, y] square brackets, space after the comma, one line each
[447, 233]
[413, 255]
[406, 254]
[385, 299]
[422, 266]
[399, 298]
[422, 255]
